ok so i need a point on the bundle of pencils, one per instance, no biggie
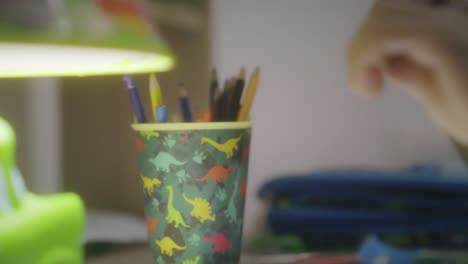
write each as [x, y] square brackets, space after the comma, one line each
[225, 105]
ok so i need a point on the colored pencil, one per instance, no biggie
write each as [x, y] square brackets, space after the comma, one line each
[237, 95]
[229, 103]
[176, 118]
[214, 87]
[135, 99]
[159, 96]
[185, 104]
[230, 89]
[223, 101]
[215, 112]
[249, 96]
[153, 84]
[161, 114]
[222, 107]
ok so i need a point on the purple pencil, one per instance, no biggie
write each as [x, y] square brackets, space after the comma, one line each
[135, 99]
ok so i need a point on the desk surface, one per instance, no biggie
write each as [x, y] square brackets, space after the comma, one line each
[141, 255]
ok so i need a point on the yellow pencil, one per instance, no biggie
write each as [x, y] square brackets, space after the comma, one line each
[249, 96]
[153, 83]
[159, 97]
[155, 95]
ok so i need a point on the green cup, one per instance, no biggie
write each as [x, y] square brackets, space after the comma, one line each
[194, 182]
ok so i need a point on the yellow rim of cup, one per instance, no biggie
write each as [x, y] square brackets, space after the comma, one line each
[192, 126]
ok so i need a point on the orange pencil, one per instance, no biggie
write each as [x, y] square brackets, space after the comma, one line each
[249, 96]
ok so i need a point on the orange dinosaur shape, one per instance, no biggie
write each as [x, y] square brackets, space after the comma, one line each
[151, 225]
[243, 190]
[217, 174]
[139, 143]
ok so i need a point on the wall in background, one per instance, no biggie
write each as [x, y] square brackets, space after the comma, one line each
[14, 109]
[31, 107]
[305, 116]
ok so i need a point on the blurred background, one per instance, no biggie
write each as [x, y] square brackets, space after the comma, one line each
[305, 118]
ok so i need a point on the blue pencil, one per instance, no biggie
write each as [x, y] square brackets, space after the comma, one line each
[185, 104]
[161, 114]
[135, 99]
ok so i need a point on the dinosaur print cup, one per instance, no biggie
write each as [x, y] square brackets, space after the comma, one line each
[194, 179]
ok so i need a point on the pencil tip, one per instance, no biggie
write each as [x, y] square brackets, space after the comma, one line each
[242, 73]
[257, 70]
[153, 81]
[214, 73]
[182, 90]
[129, 80]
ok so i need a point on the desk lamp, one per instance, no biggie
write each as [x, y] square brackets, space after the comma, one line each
[59, 38]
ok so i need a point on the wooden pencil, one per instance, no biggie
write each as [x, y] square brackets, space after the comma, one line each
[216, 108]
[237, 95]
[222, 102]
[214, 88]
[249, 96]
[185, 103]
[231, 84]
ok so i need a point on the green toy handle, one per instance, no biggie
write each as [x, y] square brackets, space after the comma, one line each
[7, 159]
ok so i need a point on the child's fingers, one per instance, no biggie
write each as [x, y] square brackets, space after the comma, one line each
[372, 52]
[420, 48]
[413, 77]
[363, 58]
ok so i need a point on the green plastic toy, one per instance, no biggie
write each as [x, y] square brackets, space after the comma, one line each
[35, 229]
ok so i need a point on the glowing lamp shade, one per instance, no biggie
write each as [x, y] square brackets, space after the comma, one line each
[46, 38]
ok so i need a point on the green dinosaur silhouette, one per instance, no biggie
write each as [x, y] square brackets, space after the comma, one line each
[173, 215]
[164, 160]
[221, 194]
[231, 211]
[160, 260]
[199, 157]
[169, 141]
[192, 261]
[182, 176]
[194, 240]
[155, 203]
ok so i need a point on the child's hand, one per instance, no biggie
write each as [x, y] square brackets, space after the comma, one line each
[421, 46]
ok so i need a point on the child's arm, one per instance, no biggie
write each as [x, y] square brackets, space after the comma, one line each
[462, 150]
[422, 47]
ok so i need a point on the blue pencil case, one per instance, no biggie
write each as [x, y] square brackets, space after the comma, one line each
[371, 199]
[399, 181]
[316, 226]
[406, 190]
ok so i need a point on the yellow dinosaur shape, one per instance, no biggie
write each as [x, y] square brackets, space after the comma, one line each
[201, 209]
[149, 184]
[167, 246]
[149, 134]
[194, 261]
[227, 147]
[173, 215]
